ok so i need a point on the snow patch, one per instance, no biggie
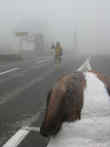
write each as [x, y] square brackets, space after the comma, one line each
[96, 98]
[93, 130]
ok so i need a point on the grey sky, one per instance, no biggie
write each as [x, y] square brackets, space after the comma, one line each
[58, 19]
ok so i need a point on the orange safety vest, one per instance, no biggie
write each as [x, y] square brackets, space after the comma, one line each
[58, 51]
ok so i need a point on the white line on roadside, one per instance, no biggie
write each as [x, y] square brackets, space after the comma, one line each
[20, 135]
[17, 91]
[86, 66]
[43, 61]
[17, 138]
[34, 129]
[8, 71]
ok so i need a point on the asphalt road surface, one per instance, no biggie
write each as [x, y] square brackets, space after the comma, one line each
[23, 89]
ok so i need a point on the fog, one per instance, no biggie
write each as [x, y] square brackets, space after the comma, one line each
[58, 20]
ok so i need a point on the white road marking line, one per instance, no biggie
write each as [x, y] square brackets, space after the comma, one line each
[42, 61]
[21, 134]
[34, 129]
[10, 96]
[16, 139]
[85, 66]
[8, 71]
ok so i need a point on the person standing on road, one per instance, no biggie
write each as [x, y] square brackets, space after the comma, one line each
[58, 52]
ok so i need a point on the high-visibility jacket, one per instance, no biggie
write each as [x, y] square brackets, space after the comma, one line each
[58, 51]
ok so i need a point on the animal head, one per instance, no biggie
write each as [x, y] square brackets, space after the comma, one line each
[64, 103]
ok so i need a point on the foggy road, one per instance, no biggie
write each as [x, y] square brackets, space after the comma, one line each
[23, 94]
[30, 32]
[23, 89]
[20, 84]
